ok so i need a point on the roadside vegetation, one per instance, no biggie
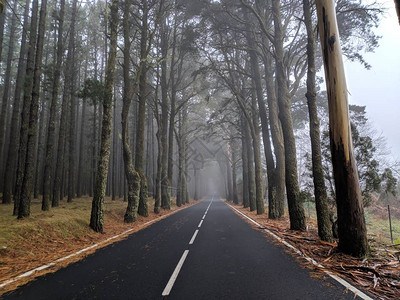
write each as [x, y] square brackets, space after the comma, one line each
[49, 235]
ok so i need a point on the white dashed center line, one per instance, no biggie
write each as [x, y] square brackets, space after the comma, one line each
[175, 274]
[193, 237]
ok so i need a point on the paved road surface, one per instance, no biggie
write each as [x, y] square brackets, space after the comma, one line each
[210, 251]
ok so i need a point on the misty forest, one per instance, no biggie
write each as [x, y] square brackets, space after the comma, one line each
[117, 112]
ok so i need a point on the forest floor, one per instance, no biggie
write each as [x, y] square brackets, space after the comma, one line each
[378, 273]
[45, 237]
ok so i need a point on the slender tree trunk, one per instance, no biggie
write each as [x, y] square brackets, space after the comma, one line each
[12, 157]
[82, 144]
[25, 117]
[296, 210]
[245, 164]
[7, 81]
[277, 211]
[114, 157]
[234, 158]
[27, 183]
[171, 133]
[251, 172]
[71, 68]
[263, 116]
[158, 191]
[229, 178]
[321, 197]
[96, 217]
[196, 181]
[2, 22]
[132, 177]
[257, 157]
[165, 183]
[40, 143]
[140, 130]
[351, 222]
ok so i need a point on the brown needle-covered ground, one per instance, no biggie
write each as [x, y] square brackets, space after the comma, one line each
[47, 236]
[378, 274]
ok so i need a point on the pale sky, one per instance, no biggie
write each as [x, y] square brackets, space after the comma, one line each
[379, 87]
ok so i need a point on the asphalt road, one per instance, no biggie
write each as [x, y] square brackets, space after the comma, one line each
[203, 252]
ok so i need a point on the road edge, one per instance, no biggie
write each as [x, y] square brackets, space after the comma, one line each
[85, 251]
[348, 286]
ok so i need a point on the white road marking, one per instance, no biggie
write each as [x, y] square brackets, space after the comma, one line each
[343, 282]
[193, 237]
[46, 266]
[174, 275]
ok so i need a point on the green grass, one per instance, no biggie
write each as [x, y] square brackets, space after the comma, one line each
[377, 225]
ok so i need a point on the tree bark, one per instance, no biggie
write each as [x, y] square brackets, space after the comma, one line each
[2, 22]
[277, 211]
[7, 80]
[12, 157]
[321, 197]
[397, 4]
[351, 222]
[71, 90]
[165, 183]
[28, 87]
[132, 177]
[234, 158]
[97, 217]
[27, 183]
[172, 114]
[255, 132]
[296, 210]
[262, 112]
[245, 164]
[140, 130]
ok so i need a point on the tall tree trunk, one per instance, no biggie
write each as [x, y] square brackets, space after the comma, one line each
[245, 164]
[132, 177]
[351, 222]
[79, 188]
[58, 192]
[7, 82]
[96, 217]
[158, 188]
[71, 69]
[2, 22]
[321, 197]
[229, 177]
[262, 113]
[27, 182]
[278, 210]
[296, 210]
[140, 130]
[165, 183]
[234, 158]
[28, 87]
[397, 4]
[114, 157]
[40, 143]
[255, 132]
[251, 172]
[94, 151]
[172, 114]
[12, 157]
